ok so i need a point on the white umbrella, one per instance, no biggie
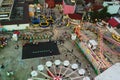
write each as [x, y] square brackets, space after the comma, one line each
[74, 66]
[81, 71]
[40, 67]
[86, 78]
[34, 73]
[57, 62]
[66, 63]
[48, 63]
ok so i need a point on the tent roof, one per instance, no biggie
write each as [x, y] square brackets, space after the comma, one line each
[113, 7]
[93, 42]
[112, 73]
[113, 22]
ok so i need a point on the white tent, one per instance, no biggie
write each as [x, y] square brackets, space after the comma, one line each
[112, 73]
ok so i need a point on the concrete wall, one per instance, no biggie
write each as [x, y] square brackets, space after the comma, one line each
[15, 27]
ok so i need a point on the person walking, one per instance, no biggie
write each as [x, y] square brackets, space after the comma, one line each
[72, 51]
[16, 46]
[32, 68]
[2, 66]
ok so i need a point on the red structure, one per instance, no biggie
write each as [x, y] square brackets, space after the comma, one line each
[113, 22]
[68, 8]
[75, 16]
[51, 3]
[96, 7]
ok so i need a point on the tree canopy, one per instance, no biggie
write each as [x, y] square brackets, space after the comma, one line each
[36, 1]
[99, 15]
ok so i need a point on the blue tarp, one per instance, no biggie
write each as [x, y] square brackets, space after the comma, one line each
[35, 20]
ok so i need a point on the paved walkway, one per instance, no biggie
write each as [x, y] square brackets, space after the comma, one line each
[11, 58]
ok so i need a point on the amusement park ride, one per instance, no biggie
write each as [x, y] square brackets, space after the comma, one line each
[58, 70]
[96, 58]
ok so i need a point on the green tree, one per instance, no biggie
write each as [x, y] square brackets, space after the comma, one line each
[103, 13]
[94, 15]
[99, 15]
[36, 2]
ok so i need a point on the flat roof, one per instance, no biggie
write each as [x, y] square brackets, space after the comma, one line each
[18, 19]
[112, 73]
[113, 7]
[1, 2]
[6, 9]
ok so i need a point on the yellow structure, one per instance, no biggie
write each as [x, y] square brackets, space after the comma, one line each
[116, 37]
[44, 24]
